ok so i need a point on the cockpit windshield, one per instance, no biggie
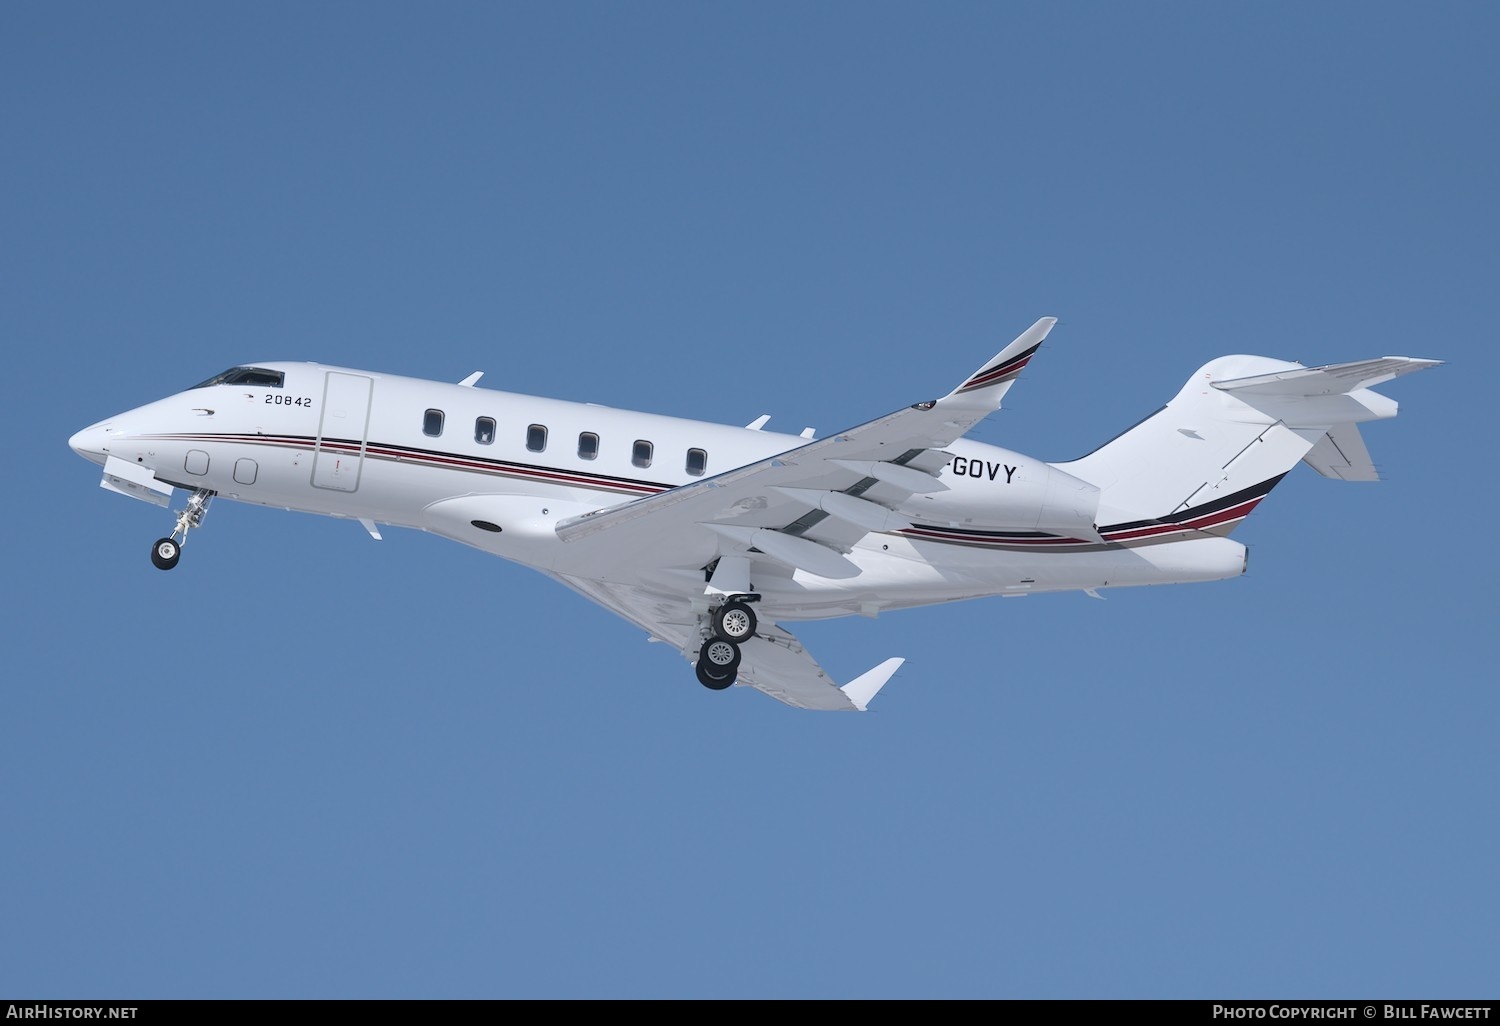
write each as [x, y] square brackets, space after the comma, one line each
[258, 376]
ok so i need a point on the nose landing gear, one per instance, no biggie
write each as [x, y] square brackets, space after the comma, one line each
[165, 552]
[727, 628]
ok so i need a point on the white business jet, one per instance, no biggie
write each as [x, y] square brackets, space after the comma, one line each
[710, 537]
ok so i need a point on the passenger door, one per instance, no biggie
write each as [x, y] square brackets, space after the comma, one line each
[343, 428]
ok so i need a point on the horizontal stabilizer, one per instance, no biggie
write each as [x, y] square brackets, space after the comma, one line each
[1334, 379]
[1341, 454]
[864, 687]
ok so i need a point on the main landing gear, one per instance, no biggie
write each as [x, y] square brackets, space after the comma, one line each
[165, 552]
[729, 626]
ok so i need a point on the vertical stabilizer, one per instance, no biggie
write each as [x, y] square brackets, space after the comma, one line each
[1207, 458]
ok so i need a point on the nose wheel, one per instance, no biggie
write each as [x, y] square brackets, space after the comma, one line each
[165, 552]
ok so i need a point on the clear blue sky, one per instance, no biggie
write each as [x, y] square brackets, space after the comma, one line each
[305, 764]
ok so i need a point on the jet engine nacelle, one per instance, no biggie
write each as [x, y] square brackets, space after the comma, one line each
[996, 488]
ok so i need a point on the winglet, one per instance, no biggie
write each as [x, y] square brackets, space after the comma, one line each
[987, 385]
[864, 687]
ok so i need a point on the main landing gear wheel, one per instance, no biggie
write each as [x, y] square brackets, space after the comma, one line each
[735, 622]
[707, 679]
[165, 554]
[718, 662]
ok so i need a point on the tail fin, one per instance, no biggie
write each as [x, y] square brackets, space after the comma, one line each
[1207, 458]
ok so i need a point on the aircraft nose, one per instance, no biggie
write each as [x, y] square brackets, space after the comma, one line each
[89, 443]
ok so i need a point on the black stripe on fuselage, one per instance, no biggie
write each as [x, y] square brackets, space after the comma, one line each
[1255, 491]
[1219, 514]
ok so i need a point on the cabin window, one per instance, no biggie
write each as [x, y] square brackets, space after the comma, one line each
[640, 454]
[536, 438]
[484, 430]
[432, 423]
[588, 446]
[697, 462]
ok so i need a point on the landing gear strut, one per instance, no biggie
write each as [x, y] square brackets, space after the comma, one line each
[728, 627]
[165, 552]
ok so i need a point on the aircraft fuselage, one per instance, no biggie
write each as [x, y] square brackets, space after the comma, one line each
[498, 470]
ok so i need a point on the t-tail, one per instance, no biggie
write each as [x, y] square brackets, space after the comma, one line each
[1206, 459]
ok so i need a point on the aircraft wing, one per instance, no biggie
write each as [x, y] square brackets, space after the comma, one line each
[773, 662]
[868, 466]
[655, 559]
